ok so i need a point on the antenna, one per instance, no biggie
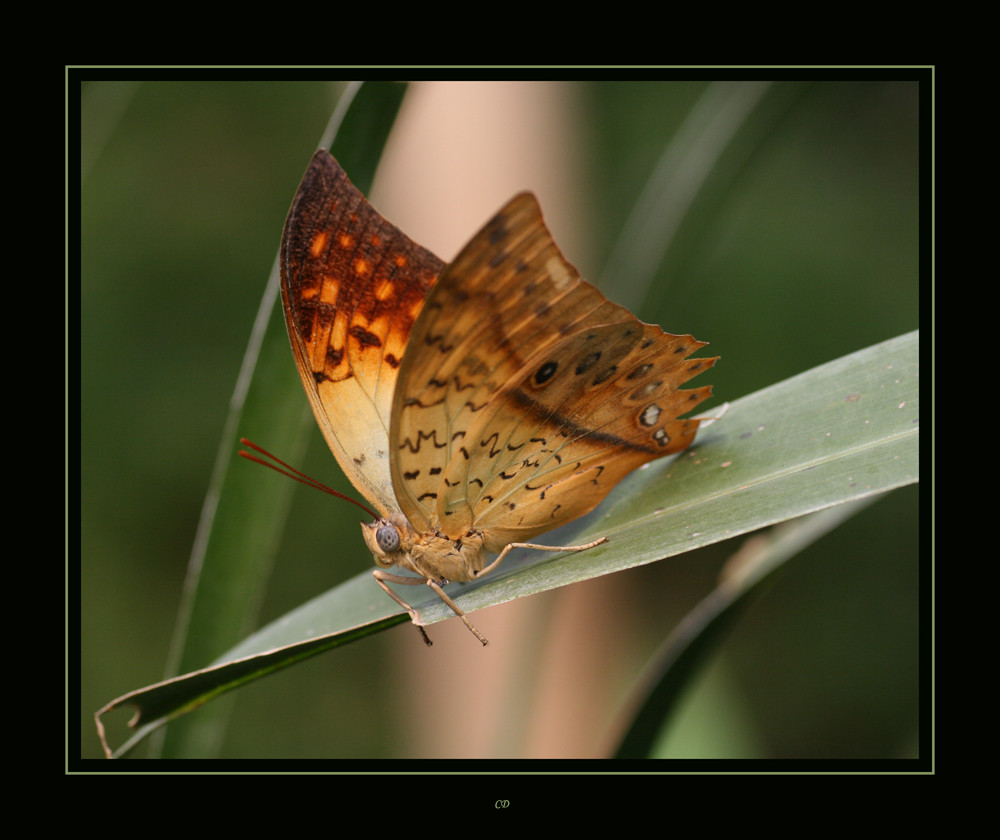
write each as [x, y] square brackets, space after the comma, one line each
[301, 477]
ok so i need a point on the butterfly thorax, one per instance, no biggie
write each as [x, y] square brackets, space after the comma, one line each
[394, 542]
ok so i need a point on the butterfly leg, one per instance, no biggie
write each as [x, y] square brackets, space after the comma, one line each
[433, 584]
[511, 546]
[381, 577]
[418, 622]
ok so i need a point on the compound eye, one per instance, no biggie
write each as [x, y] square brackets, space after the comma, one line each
[387, 538]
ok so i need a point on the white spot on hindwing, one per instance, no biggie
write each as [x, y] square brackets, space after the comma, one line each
[650, 415]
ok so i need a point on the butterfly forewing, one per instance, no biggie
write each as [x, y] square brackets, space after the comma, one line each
[352, 286]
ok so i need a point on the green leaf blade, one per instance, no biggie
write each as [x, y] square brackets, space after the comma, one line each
[841, 432]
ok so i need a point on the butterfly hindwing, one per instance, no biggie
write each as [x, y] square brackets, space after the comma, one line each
[526, 395]
[604, 401]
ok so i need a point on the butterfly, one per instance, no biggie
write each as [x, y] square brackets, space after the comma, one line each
[476, 404]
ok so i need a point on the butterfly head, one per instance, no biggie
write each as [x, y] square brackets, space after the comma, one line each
[394, 542]
[389, 539]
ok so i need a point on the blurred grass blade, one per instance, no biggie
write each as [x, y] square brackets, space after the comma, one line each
[747, 575]
[242, 517]
[689, 159]
[844, 431]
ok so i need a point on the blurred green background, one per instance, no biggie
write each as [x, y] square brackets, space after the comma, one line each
[800, 245]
